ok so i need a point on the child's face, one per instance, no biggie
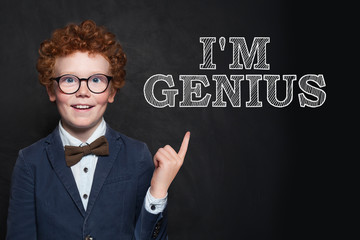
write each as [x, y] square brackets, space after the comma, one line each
[74, 117]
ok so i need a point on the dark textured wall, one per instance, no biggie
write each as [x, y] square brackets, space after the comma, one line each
[250, 173]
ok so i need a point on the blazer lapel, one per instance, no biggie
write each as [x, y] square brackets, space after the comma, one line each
[55, 152]
[103, 167]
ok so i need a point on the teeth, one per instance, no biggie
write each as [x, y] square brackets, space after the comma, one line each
[81, 106]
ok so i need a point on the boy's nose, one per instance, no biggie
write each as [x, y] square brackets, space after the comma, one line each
[83, 90]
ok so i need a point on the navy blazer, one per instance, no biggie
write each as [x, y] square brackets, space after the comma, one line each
[45, 202]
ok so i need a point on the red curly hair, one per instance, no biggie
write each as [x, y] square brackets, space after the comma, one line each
[85, 37]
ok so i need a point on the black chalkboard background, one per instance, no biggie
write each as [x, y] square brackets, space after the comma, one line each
[250, 173]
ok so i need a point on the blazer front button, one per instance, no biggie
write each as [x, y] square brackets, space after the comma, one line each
[88, 237]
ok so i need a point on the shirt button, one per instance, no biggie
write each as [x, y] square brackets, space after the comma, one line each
[153, 207]
[86, 169]
[85, 196]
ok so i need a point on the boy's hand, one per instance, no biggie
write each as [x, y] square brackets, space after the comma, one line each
[167, 164]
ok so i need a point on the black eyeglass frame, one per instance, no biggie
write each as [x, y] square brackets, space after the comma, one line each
[57, 79]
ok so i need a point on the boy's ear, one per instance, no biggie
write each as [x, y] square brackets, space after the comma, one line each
[112, 95]
[51, 93]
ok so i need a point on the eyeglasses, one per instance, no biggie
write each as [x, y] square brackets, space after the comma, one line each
[70, 84]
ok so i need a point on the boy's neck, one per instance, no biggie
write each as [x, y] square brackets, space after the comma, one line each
[83, 134]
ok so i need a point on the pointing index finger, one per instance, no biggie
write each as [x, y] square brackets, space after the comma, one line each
[184, 145]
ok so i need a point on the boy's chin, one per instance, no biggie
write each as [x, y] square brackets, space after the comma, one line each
[81, 126]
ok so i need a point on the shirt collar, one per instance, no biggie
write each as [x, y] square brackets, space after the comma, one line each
[68, 139]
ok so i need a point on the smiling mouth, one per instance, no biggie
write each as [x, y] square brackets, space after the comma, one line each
[81, 107]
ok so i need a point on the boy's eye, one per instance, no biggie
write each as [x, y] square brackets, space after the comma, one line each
[69, 80]
[95, 80]
[98, 79]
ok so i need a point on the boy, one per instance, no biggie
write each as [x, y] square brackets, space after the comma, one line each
[76, 183]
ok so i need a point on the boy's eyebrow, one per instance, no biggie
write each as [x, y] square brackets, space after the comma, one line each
[72, 73]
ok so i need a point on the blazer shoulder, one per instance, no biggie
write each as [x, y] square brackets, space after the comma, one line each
[135, 149]
[129, 142]
[33, 151]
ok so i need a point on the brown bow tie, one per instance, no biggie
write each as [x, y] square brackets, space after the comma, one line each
[99, 147]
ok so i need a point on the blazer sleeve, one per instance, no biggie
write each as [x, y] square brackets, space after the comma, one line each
[148, 225]
[21, 222]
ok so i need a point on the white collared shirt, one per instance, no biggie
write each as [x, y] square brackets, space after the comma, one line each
[84, 170]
